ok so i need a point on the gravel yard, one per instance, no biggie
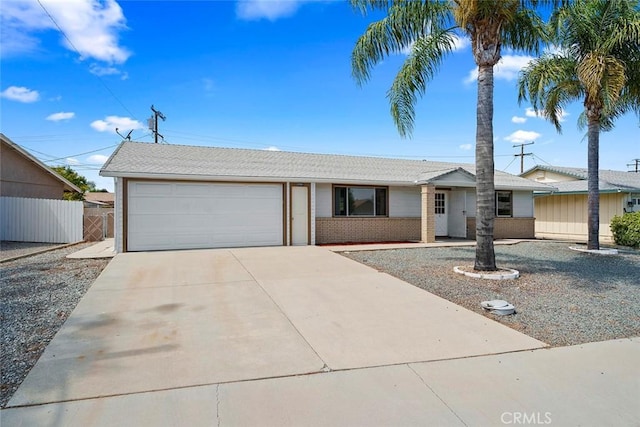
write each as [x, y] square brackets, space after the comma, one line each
[14, 249]
[37, 295]
[562, 297]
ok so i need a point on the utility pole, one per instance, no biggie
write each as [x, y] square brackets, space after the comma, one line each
[153, 123]
[522, 154]
[636, 164]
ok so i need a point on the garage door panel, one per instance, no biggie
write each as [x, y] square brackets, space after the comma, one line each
[144, 188]
[202, 215]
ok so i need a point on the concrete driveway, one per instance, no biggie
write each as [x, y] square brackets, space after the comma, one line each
[158, 336]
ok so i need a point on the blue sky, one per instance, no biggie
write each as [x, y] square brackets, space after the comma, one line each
[252, 74]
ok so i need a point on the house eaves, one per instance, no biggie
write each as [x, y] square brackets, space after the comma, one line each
[68, 185]
[250, 179]
[610, 181]
[200, 163]
[454, 177]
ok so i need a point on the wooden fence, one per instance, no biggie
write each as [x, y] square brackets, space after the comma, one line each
[40, 220]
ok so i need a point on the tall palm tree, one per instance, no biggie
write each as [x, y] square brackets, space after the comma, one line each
[599, 64]
[431, 28]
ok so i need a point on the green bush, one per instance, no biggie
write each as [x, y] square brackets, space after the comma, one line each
[626, 229]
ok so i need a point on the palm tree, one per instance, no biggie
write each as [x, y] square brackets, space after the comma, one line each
[431, 29]
[598, 63]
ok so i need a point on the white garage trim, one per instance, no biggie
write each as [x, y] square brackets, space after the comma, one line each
[190, 215]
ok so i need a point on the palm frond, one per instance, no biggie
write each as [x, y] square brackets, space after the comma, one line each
[549, 83]
[405, 23]
[420, 67]
[524, 32]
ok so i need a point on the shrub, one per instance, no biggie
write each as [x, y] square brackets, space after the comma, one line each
[626, 229]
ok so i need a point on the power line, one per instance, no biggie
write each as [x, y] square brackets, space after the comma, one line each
[81, 154]
[507, 167]
[543, 160]
[80, 54]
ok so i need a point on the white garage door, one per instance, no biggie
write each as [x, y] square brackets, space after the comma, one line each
[178, 215]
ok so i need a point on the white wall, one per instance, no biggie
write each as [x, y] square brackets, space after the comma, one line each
[471, 202]
[118, 217]
[323, 201]
[312, 212]
[405, 202]
[522, 204]
[457, 215]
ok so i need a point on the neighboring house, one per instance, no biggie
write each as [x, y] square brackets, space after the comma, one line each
[562, 213]
[99, 199]
[178, 197]
[22, 175]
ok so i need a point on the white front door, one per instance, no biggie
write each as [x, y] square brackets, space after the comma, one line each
[299, 215]
[442, 228]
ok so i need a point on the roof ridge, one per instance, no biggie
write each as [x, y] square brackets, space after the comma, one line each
[258, 150]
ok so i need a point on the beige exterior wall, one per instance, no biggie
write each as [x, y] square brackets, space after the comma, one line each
[20, 177]
[347, 230]
[565, 216]
[506, 228]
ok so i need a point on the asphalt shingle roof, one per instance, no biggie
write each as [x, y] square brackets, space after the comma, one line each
[610, 180]
[148, 160]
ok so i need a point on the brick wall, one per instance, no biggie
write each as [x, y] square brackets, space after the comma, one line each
[343, 230]
[506, 228]
[428, 222]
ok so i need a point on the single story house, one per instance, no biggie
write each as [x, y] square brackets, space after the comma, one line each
[99, 199]
[562, 213]
[179, 197]
[22, 175]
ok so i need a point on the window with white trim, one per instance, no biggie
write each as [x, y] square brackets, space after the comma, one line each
[359, 201]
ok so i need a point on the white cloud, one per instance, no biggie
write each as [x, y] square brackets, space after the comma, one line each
[253, 10]
[91, 27]
[506, 69]
[272, 148]
[516, 119]
[461, 42]
[56, 117]
[466, 147]
[99, 70]
[97, 159]
[521, 136]
[530, 112]
[71, 161]
[20, 94]
[110, 123]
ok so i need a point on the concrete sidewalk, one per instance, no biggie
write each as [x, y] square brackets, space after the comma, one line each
[289, 336]
[589, 385]
[103, 249]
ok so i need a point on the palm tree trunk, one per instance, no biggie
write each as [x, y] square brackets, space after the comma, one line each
[485, 189]
[593, 199]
